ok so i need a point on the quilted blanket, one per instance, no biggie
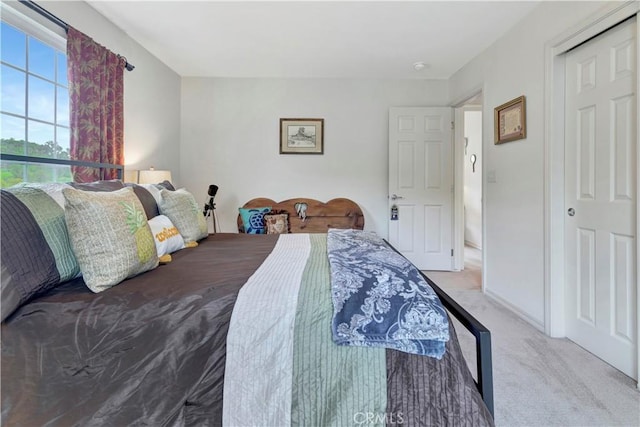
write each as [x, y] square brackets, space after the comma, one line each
[282, 367]
[380, 299]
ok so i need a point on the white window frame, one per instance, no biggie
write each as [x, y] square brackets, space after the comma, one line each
[51, 34]
[49, 37]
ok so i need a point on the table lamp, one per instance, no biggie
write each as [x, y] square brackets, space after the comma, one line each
[152, 176]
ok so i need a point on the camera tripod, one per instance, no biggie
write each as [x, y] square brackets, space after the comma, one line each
[210, 208]
[210, 211]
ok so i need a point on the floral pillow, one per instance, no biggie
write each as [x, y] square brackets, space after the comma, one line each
[276, 223]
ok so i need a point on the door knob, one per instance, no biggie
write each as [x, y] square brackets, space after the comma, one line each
[396, 197]
[571, 212]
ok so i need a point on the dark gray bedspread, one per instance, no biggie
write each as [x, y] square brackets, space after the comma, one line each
[151, 351]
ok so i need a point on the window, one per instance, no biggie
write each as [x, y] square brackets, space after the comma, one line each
[34, 111]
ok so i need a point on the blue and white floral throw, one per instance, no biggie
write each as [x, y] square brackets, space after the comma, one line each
[380, 299]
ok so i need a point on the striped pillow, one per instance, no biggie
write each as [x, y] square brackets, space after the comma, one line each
[50, 217]
[36, 252]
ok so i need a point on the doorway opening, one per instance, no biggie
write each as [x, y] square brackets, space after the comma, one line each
[472, 172]
[468, 164]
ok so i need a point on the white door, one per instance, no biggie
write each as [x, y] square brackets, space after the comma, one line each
[421, 185]
[600, 196]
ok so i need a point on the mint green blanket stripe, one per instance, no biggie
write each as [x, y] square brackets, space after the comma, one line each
[50, 217]
[332, 385]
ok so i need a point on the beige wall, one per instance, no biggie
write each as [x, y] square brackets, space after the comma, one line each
[230, 137]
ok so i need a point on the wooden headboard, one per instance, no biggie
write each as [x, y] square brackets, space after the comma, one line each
[320, 217]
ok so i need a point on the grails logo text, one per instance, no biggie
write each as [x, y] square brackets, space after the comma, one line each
[368, 418]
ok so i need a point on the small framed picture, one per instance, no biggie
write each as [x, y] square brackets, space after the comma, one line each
[301, 136]
[510, 121]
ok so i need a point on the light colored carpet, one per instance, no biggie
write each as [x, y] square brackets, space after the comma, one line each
[540, 381]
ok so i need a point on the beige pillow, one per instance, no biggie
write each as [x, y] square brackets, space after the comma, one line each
[183, 211]
[276, 223]
[110, 236]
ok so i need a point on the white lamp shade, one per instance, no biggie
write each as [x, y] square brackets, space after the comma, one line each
[153, 176]
[131, 175]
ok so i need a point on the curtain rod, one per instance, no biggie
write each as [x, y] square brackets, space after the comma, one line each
[59, 22]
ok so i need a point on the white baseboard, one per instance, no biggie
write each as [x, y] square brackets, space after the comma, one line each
[473, 245]
[521, 314]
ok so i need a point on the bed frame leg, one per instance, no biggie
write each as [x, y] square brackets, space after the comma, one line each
[485, 368]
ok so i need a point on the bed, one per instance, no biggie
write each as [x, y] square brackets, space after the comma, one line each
[153, 351]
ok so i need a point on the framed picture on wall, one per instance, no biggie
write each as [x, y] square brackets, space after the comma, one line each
[301, 136]
[510, 121]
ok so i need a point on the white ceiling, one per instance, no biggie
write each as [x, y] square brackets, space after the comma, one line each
[330, 39]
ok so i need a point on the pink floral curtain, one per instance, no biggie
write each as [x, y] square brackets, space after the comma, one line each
[96, 89]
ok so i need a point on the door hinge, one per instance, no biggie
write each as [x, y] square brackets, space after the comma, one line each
[451, 252]
[453, 125]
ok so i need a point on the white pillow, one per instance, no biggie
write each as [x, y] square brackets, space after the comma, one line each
[151, 188]
[166, 235]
